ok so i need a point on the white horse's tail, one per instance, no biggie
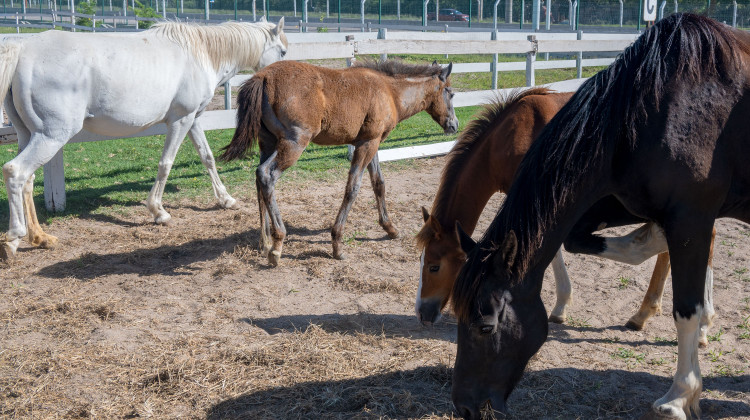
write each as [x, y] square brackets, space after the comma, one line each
[9, 53]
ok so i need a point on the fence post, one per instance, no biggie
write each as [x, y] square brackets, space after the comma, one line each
[349, 61]
[536, 8]
[206, 12]
[675, 6]
[530, 59]
[382, 33]
[661, 10]
[362, 11]
[548, 18]
[54, 183]
[18, 29]
[734, 14]
[579, 58]
[494, 16]
[424, 13]
[304, 13]
[227, 95]
[621, 12]
[493, 64]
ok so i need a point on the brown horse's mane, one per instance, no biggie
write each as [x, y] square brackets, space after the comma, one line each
[397, 68]
[459, 157]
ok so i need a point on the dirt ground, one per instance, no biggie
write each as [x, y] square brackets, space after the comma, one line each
[127, 319]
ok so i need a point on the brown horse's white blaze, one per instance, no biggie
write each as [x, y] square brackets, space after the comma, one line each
[286, 106]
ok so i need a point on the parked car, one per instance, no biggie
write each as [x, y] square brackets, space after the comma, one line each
[449, 15]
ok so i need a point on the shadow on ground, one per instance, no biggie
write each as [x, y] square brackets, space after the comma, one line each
[425, 391]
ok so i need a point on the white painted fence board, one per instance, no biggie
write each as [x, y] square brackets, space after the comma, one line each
[590, 45]
[322, 50]
[388, 46]
[318, 37]
[472, 98]
[427, 150]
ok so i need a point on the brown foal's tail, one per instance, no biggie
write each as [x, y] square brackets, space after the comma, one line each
[249, 114]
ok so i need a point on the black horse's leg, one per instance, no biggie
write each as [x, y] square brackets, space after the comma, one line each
[689, 236]
[362, 155]
[378, 186]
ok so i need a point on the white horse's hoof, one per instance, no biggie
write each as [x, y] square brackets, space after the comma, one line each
[163, 218]
[229, 203]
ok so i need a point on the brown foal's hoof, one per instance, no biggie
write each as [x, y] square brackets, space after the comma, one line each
[45, 242]
[632, 325]
[274, 257]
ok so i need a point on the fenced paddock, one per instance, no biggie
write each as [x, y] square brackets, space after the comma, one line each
[127, 319]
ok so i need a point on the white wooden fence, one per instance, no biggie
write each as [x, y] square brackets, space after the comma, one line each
[332, 45]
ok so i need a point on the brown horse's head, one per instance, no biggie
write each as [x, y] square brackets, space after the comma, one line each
[439, 265]
[440, 104]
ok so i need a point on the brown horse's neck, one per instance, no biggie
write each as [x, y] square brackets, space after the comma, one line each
[412, 94]
[466, 189]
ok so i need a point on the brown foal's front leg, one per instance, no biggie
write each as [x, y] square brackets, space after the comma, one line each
[378, 186]
[363, 154]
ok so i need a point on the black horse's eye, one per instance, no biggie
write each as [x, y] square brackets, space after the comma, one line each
[486, 329]
[434, 268]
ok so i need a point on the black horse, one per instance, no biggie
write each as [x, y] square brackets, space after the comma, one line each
[663, 129]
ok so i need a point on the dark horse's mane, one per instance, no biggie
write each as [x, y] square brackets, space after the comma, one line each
[460, 155]
[397, 68]
[581, 141]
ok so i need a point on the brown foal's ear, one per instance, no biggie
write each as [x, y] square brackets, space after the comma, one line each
[425, 214]
[446, 72]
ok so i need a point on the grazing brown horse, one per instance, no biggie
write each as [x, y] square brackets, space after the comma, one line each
[491, 148]
[664, 130]
[289, 105]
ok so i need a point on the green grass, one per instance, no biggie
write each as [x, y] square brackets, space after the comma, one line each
[110, 176]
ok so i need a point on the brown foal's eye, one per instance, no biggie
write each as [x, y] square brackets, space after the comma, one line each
[434, 268]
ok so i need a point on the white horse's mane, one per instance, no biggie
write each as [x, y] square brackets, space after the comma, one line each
[239, 43]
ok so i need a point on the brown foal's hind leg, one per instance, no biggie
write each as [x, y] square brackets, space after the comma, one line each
[264, 246]
[651, 304]
[363, 153]
[37, 237]
[287, 152]
[378, 186]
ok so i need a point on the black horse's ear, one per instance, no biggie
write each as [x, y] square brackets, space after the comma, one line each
[446, 72]
[425, 214]
[434, 62]
[467, 244]
[506, 254]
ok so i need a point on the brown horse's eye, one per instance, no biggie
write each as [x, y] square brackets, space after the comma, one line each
[434, 268]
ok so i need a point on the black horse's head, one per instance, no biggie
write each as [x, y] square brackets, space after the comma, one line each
[502, 323]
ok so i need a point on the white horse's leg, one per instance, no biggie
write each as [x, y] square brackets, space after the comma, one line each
[176, 132]
[637, 246]
[708, 297]
[40, 149]
[563, 289]
[684, 394]
[204, 151]
[37, 237]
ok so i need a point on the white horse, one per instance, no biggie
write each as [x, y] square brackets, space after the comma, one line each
[56, 84]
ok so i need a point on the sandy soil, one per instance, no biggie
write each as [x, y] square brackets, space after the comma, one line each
[128, 319]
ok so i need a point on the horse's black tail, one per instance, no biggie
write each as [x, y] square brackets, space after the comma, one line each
[249, 114]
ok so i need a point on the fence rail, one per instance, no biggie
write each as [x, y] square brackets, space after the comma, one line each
[54, 177]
